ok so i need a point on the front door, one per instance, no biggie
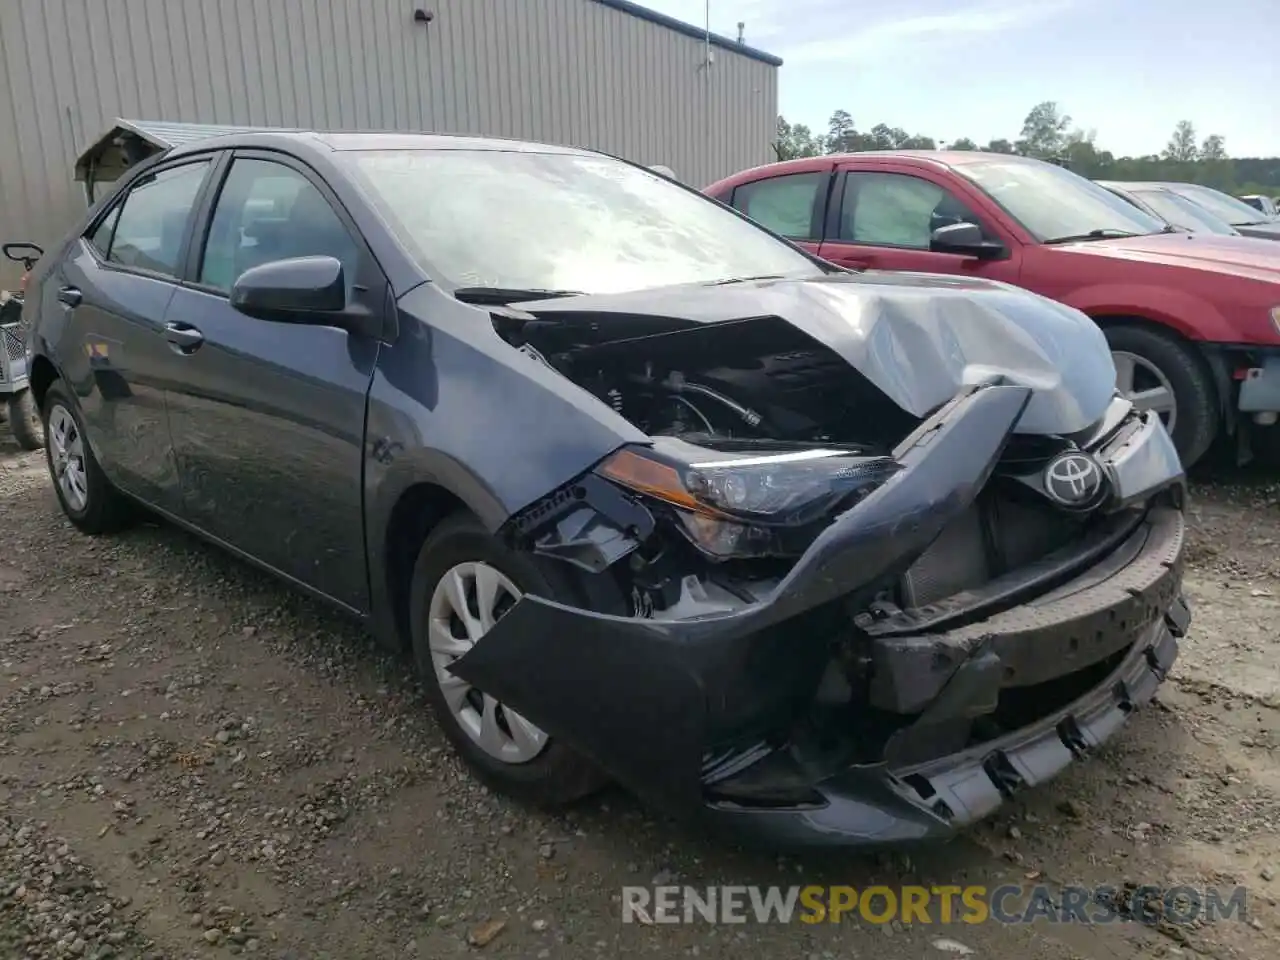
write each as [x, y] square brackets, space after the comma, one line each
[112, 291]
[268, 418]
[886, 220]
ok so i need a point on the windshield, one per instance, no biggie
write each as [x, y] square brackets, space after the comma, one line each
[1053, 203]
[1181, 212]
[552, 221]
[1222, 206]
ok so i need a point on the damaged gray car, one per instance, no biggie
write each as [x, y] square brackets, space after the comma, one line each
[814, 556]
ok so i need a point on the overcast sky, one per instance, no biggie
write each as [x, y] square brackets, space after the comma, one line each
[1129, 69]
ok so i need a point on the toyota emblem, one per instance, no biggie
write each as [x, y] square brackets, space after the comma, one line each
[1073, 479]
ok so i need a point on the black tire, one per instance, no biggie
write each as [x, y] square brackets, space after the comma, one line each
[105, 509]
[25, 421]
[1195, 399]
[557, 775]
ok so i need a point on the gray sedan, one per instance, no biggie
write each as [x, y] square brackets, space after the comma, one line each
[814, 556]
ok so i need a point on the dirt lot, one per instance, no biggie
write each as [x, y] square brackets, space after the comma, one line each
[195, 762]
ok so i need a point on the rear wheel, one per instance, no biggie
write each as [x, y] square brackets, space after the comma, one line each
[1160, 372]
[25, 422]
[464, 582]
[87, 497]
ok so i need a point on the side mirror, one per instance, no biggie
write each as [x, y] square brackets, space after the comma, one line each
[310, 290]
[966, 239]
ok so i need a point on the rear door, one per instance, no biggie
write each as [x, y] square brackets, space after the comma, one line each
[112, 289]
[268, 418]
[790, 204]
[882, 217]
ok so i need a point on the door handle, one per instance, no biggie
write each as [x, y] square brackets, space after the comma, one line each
[185, 338]
[71, 296]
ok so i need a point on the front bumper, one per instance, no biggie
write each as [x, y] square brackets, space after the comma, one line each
[872, 806]
[676, 708]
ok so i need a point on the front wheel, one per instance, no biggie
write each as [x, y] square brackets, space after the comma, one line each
[463, 583]
[25, 422]
[1160, 372]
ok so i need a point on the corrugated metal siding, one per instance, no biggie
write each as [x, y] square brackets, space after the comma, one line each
[563, 71]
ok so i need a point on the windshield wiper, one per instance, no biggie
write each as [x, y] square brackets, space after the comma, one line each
[500, 295]
[1103, 233]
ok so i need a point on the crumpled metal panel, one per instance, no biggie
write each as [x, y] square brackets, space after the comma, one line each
[919, 338]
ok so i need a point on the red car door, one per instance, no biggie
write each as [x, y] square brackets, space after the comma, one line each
[882, 216]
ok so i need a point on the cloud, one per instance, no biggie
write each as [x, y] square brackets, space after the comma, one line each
[892, 38]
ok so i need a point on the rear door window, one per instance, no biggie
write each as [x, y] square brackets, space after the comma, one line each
[783, 204]
[100, 236]
[151, 226]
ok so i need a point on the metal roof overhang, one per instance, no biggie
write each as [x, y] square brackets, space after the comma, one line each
[126, 143]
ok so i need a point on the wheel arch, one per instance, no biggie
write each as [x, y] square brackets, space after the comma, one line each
[1212, 361]
[418, 510]
[42, 375]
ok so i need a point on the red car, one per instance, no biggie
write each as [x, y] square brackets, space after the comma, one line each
[1193, 319]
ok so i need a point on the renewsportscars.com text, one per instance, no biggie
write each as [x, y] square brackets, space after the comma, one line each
[1008, 904]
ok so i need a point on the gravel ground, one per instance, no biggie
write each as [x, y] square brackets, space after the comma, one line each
[196, 762]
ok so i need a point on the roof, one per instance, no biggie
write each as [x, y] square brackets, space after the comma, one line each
[127, 142]
[689, 30]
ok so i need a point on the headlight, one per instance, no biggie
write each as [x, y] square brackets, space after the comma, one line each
[1275, 318]
[752, 506]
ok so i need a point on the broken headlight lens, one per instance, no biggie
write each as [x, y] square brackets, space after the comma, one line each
[752, 506]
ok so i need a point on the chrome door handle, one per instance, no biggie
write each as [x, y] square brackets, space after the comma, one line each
[185, 338]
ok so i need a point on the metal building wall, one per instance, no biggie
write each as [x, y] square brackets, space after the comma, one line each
[566, 71]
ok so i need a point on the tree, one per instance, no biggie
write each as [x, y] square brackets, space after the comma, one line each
[1047, 133]
[796, 141]
[1044, 131]
[1081, 154]
[1218, 170]
[840, 132]
[1213, 148]
[1182, 145]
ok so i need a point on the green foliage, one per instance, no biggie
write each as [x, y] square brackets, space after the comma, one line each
[1048, 133]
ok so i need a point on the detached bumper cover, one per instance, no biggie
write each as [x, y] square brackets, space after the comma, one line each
[868, 806]
[649, 699]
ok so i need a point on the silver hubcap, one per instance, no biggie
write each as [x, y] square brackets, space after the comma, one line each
[467, 602]
[1146, 386]
[66, 453]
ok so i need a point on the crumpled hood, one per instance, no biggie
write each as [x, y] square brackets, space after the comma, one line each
[1236, 256]
[918, 338]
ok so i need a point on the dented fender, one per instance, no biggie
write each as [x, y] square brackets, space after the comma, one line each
[646, 698]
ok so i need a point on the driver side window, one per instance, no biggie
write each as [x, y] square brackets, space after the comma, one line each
[267, 211]
[897, 210]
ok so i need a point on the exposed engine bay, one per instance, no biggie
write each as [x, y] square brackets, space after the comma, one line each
[760, 387]
[759, 382]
